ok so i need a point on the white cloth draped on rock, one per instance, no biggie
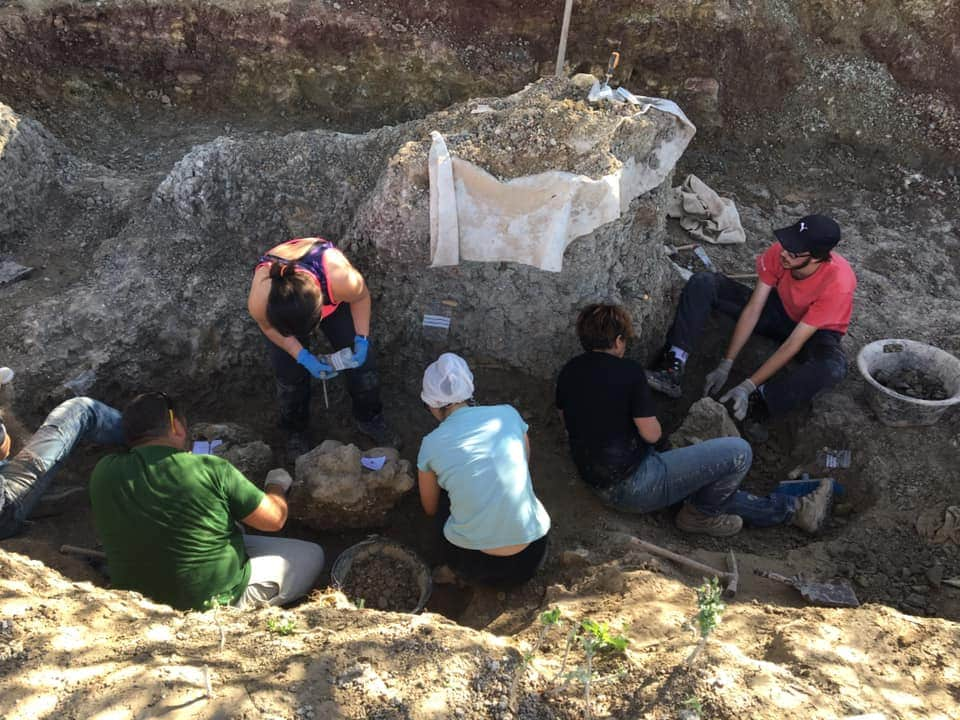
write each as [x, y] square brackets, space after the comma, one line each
[532, 219]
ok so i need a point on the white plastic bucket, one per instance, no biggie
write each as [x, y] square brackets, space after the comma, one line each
[889, 356]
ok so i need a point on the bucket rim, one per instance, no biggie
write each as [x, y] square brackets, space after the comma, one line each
[336, 569]
[865, 373]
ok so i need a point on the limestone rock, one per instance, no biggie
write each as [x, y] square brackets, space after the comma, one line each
[333, 490]
[706, 420]
[240, 446]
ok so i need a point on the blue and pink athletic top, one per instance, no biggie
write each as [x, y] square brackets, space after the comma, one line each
[311, 261]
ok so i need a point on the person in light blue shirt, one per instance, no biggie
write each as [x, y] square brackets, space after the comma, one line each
[494, 529]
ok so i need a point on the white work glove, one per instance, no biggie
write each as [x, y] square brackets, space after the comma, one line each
[279, 477]
[740, 395]
[717, 378]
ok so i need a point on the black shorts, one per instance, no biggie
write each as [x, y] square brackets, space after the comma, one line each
[474, 566]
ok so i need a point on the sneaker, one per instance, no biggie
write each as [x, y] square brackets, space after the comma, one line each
[380, 432]
[666, 377]
[691, 520]
[57, 502]
[298, 443]
[814, 508]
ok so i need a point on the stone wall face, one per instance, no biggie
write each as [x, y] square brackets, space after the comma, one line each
[363, 65]
[163, 300]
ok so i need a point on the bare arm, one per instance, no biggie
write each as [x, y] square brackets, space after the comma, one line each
[257, 307]
[271, 513]
[347, 285]
[649, 428]
[784, 354]
[748, 320]
[429, 491]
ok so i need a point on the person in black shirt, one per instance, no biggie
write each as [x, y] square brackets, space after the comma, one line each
[612, 427]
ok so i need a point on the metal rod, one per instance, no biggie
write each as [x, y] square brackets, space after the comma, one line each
[83, 552]
[326, 400]
[562, 50]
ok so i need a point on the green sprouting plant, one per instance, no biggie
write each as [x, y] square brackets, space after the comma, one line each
[709, 609]
[548, 620]
[360, 603]
[281, 626]
[595, 638]
[694, 705]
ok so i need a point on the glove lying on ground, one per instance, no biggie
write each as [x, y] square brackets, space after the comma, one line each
[740, 396]
[717, 378]
[315, 366]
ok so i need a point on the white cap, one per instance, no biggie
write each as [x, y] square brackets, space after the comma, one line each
[6, 375]
[447, 381]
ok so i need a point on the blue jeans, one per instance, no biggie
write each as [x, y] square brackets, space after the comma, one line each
[25, 478]
[708, 475]
[819, 365]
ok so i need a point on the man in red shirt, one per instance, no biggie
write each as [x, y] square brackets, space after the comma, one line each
[803, 299]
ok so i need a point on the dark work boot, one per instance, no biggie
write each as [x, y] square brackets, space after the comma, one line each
[667, 375]
[691, 520]
[294, 401]
[380, 432]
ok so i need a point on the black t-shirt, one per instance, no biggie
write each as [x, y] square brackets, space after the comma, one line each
[600, 395]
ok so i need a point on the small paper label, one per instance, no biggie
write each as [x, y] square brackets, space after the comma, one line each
[202, 447]
[373, 463]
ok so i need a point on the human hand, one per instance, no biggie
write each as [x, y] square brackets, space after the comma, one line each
[279, 477]
[717, 378]
[314, 366]
[740, 396]
[361, 345]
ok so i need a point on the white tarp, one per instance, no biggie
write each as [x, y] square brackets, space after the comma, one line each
[532, 219]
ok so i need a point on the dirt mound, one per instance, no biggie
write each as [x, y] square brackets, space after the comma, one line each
[71, 650]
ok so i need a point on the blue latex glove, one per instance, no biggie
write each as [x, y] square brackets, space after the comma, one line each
[360, 347]
[740, 395]
[314, 366]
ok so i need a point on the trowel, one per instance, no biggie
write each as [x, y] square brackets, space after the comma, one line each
[604, 92]
[836, 593]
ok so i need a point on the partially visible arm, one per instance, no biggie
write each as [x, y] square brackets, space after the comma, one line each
[271, 513]
[748, 320]
[649, 428]
[429, 491]
[257, 307]
[784, 354]
[347, 285]
[526, 445]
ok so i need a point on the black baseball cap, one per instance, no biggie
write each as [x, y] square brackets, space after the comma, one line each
[813, 232]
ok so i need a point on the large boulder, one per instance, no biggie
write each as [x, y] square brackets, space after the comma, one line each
[706, 419]
[337, 486]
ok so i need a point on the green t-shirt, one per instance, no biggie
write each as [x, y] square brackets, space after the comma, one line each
[167, 520]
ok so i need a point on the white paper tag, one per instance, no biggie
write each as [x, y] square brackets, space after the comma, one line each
[374, 463]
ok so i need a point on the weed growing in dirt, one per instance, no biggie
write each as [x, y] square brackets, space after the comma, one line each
[710, 608]
[281, 626]
[692, 707]
[548, 619]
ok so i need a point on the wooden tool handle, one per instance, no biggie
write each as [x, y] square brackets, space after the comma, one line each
[612, 63]
[83, 552]
[692, 564]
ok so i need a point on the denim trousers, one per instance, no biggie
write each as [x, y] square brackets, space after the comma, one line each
[821, 362]
[293, 380]
[25, 478]
[708, 475]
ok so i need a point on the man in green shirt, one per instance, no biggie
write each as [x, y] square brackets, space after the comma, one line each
[168, 520]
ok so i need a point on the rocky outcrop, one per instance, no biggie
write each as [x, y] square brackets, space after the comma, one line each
[339, 487]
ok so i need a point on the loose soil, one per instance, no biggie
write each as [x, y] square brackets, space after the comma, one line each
[913, 383]
[71, 648]
[377, 581]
